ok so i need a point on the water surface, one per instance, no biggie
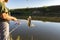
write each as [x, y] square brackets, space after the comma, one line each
[39, 31]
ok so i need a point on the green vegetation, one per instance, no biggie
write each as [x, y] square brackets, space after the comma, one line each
[18, 38]
[11, 37]
[52, 19]
[51, 13]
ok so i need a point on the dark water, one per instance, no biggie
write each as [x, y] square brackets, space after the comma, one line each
[38, 31]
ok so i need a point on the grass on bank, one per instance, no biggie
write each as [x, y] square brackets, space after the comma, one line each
[18, 38]
[52, 19]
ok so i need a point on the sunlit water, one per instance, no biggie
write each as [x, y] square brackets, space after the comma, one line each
[38, 30]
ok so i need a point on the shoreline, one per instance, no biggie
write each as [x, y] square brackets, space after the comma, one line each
[52, 19]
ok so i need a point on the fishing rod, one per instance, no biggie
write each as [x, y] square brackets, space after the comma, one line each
[28, 22]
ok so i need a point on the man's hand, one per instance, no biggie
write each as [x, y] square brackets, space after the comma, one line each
[13, 18]
[16, 20]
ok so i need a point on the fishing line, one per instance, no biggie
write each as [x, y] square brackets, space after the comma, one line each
[15, 27]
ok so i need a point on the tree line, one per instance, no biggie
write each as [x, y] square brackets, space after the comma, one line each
[50, 11]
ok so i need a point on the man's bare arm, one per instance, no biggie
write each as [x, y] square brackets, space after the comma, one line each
[7, 17]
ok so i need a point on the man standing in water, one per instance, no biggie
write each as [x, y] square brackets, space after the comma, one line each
[4, 18]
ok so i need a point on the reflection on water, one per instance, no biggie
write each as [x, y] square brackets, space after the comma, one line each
[39, 31]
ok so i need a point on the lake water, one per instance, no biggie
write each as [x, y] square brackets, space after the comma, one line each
[39, 30]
